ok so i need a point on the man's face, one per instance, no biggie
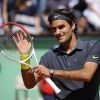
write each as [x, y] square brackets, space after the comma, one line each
[62, 30]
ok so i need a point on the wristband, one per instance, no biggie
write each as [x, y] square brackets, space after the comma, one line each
[23, 57]
[25, 67]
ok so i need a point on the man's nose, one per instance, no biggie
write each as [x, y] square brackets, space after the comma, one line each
[57, 31]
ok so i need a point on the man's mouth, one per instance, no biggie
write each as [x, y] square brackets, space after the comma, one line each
[60, 36]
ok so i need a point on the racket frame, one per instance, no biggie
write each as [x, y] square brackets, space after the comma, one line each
[48, 80]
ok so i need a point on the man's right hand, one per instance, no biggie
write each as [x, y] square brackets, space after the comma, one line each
[22, 44]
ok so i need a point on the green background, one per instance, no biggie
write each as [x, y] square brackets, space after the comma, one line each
[9, 71]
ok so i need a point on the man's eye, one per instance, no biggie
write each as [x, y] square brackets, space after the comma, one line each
[61, 27]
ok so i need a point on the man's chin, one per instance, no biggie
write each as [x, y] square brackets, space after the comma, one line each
[64, 41]
[61, 41]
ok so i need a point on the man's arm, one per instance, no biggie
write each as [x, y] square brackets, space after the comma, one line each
[91, 7]
[30, 79]
[89, 68]
[4, 11]
[84, 74]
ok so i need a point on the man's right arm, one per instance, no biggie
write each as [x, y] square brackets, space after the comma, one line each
[23, 45]
[30, 78]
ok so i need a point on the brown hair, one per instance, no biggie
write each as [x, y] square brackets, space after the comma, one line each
[70, 18]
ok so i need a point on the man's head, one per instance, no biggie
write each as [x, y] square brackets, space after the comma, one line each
[63, 24]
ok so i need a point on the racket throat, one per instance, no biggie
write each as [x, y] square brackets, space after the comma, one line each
[22, 62]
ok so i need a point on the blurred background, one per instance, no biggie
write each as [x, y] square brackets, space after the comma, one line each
[33, 14]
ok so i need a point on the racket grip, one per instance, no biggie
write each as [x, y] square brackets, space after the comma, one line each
[52, 84]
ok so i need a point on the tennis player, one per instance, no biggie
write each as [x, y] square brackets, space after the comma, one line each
[74, 65]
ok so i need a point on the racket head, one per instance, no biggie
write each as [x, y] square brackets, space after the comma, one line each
[7, 44]
[8, 47]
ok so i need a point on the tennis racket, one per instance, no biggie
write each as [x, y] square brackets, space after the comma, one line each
[8, 32]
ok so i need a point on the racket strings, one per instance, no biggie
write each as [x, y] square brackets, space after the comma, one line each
[5, 37]
[7, 44]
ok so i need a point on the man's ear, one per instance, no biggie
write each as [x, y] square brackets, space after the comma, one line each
[73, 26]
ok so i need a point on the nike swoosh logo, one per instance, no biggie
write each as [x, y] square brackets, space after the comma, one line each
[95, 57]
[56, 16]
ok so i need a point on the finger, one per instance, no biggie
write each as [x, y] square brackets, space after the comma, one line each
[41, 74]
[15, 40]
[18, 36]
[36, 67]
[24, 33]
[21, 36]
[32, 70]
[37, 70]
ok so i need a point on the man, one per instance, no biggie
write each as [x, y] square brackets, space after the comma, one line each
[73, 65]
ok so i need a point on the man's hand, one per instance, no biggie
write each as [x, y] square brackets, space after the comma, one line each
[22, 44]
[41, 71]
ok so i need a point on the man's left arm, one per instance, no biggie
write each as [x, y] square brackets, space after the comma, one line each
[84, 74]
[89, 67]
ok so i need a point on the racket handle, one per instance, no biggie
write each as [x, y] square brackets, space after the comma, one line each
[52, 84]
[48, 80]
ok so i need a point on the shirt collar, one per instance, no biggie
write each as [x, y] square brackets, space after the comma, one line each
[79, 46]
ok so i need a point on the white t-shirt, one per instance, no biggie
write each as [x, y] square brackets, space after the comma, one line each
[91, 15]
[95, 4]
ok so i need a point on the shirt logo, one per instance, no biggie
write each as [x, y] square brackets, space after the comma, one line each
[95, 57]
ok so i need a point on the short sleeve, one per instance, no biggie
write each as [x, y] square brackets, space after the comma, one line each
[94, 53]
[45, 60]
